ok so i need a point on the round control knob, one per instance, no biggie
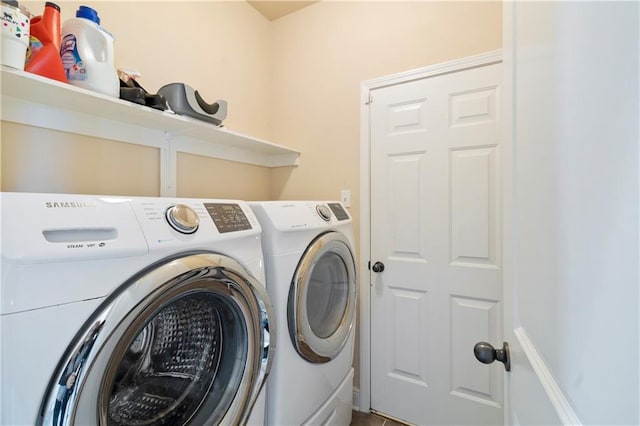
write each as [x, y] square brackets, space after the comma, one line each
[182, 218]
[324, 212]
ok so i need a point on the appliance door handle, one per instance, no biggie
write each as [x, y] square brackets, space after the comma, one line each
[486, 354]
[378, 267]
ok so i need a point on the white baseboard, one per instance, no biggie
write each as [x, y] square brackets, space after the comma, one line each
[557, 398]
[356, 399]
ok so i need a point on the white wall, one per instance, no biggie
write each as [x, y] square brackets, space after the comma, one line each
[577, 202]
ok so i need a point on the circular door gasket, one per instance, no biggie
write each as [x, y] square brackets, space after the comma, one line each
[186, 342]
[325, 276]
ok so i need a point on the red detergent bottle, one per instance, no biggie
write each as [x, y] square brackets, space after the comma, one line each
[43, 56]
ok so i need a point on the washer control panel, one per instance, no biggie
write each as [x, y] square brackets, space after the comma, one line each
[182, 218]
[169, 222]
[228, 217]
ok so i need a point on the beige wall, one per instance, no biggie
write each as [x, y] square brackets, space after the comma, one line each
[209, 178]
[39, 160]
[321, 55]
[295, 81]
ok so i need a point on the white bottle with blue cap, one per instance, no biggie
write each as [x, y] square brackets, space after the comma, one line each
[87, 53]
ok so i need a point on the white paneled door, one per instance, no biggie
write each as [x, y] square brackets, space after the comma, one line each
[436, 233]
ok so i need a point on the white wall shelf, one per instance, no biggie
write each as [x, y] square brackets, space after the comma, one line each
[36, 101]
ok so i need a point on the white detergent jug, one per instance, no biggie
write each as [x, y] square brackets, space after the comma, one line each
[87, 53]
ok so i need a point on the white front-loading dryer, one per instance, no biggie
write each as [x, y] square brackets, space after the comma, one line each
[311, 278]
[132, 311]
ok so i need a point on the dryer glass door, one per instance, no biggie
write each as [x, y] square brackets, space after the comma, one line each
[327, 294]
[322, 298]
[187, 342]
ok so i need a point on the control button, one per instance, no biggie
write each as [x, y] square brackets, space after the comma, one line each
[182, 218]
[324, 212]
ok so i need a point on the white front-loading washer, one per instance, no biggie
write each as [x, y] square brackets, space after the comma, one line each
[132, 311]
[311, 278]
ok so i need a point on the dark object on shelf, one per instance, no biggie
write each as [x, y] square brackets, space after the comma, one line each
[132, 91]
[186, 101]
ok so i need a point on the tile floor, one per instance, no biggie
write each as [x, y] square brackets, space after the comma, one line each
[370, 419]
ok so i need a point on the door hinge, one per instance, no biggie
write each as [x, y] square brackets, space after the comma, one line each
[370, 100]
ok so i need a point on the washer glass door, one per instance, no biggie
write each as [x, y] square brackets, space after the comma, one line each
[184, 357]
[322, 297]
[187, 342]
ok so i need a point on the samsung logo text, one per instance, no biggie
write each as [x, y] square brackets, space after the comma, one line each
[69, 204]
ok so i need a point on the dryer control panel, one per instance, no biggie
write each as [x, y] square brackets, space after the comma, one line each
[338, 211]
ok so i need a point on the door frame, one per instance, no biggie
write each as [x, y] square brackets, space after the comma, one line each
[362, 396]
